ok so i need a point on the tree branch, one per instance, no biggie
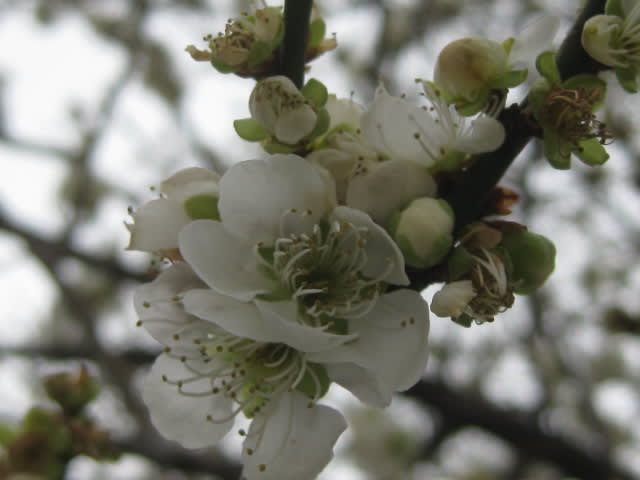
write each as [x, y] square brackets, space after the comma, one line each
[296, 35]
[520, 430]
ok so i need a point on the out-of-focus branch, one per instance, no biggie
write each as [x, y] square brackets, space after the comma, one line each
[51, 252]
[296, 34]
[520, 430]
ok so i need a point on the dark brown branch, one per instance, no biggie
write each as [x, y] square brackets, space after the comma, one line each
[296, 35]
[520, 430]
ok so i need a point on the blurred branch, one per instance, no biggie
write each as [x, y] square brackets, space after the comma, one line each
[294, 45]
[51, 252]
[520, 430]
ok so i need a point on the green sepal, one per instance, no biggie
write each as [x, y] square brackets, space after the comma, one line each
[272, 147]
[451, 161]
[558, 156]
[221, 66]
[260, 52]
[203, 206]
[463, 320]
[628, 79]
[250, 130]
[315, 382]
[317, 29]
[6, 435]
[510, 79]
[315, 92]
[322, 124]
[533, 258]
[592, 152]
[538, 94]
[467, 108]
[508, 44]
[614, 7]
[459, 264]
[547, 67]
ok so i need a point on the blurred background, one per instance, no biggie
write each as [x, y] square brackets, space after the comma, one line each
[99, 102]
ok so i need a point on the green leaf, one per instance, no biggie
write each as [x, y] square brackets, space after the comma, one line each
[547, 67]
[317, 29]
[250, 130]
[260, 52]
[508, 44]
[554, 149]
[322, 124]
[204, 206]
[315, 92]
[592, 152]
[614, 7]
[628, 79]
[510, 79]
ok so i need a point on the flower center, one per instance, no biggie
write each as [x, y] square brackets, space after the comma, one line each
[322, 271]
[490, 279]
[570, 111]
[246, 372]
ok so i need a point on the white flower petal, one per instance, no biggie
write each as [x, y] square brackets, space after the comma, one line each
[387, 187]
[294, 442]
[190, 182]
[452, 299]
[390, 126]
[485, 135]
[385, 261]
[392, 344]
[227, 264]
[254, 194]
[180, 417]
[536, 37]
[293, 125]
[343, 111]
[283, 324]
[156, 225]
[360, 382]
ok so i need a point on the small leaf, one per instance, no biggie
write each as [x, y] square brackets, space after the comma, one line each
[592, 152]
[317, 29]
[250, 130]
[628, 79]
[546, 66]
[508, 44]
[558, 157]
[322, 124]
[510, 79]
[202, 206]
[614, 7]
[315, 92]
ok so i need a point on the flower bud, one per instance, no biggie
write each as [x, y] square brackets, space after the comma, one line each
[466, 67]
[598, 36]
[423, 231]
[71, 392]
[282, 110]
[533, 259]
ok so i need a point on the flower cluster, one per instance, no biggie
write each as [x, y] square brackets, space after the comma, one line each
[292, 271]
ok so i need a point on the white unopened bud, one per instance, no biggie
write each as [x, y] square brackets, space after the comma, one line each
[282, 110]
[600, 35]
[423, 231]
[452, 299]
[466, 67]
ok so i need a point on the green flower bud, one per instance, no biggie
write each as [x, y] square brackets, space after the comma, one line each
[71, 391]
[533, 258]
[466, 68]
[423, 231]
